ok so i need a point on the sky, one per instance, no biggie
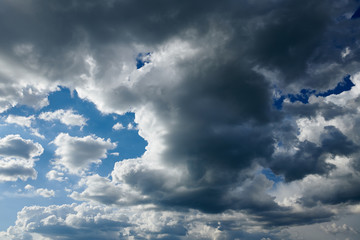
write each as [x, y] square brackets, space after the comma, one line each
[219, 120]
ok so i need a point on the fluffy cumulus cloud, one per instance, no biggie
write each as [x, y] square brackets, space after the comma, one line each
[17, 157]
[220, 91]
[88, 221]
[77, 154]
[56, 175]
[118, 126]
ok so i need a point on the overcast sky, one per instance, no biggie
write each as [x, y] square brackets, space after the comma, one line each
[176, 119]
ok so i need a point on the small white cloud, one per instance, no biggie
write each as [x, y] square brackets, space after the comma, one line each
[115, 154]
[45, 192]
[56, 175]
[130, 126]
[28, 187]
[68, 117]
[345, 52]
[76, 154]
[20, 120]
[118, 126]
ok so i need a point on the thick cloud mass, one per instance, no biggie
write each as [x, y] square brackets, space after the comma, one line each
[203, 100]
[76, 154]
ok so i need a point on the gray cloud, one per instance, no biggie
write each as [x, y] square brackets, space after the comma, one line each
[15, 146]
[11, 171]
[17, 157]
[68, 222]
[312, 158]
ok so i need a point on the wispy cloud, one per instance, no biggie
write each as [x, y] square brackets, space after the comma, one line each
[68, 117]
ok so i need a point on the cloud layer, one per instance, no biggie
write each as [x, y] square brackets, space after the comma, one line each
[220, 91]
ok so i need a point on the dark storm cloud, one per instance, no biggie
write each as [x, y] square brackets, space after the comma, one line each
[289, 218]
[344, 190]
[274, 34]
[311, 157]
[291, 35]
[225, 118]
[327, 110]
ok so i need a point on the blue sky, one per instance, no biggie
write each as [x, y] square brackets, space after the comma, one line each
[129, 145]
[179, 120]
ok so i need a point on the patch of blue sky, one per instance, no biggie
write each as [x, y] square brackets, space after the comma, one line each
[14, 197]
[129, 145]
[142, 59]
[270, 175]
[342, 86]
[345, 85]
[356, 14]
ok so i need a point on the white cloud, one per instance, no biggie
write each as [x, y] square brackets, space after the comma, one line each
[130, 126]
[17, 157]
[68, 117]
[73, 221]
[28, 187]
[118, 126]
[345, 52]
[20, 120]
[92, 221]
[56, 175]
[100, 189]
[24, 122]
[28, 85]
[35, 132]
[76, 154]
[45, 192]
